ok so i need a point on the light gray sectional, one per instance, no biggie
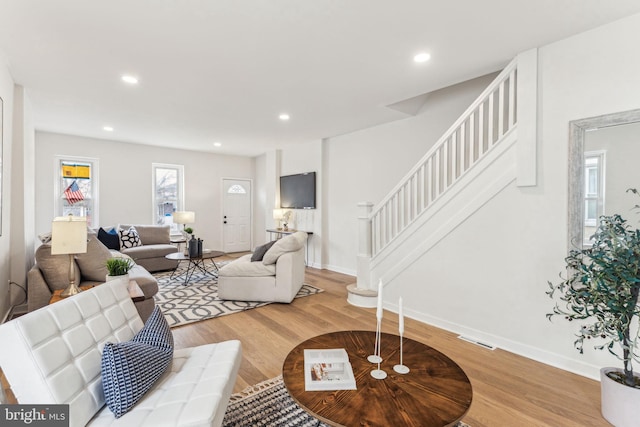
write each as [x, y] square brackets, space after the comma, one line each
[51, 272]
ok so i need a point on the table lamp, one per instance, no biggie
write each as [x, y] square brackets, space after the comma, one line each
[69, 237]
[277, 215]
[184, 217]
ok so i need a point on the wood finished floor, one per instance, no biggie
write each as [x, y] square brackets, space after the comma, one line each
[508, 390]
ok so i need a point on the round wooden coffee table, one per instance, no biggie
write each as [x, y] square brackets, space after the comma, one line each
[436, 391]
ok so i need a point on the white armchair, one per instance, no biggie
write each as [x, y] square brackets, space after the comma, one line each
[276, 278]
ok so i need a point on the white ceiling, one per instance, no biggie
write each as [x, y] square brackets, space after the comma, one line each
[223, 70]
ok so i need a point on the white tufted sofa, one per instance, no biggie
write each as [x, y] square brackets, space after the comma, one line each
[53, 355]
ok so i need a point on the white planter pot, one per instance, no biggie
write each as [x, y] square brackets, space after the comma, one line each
[124, 278]
[620, 403]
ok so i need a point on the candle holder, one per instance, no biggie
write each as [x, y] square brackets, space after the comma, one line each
[375, 357]
[401, 368]
[378, 374]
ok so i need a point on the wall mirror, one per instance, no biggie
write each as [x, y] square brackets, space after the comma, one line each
[603, 156]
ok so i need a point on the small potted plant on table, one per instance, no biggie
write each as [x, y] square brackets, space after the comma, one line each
[601, 289]
[119, 267]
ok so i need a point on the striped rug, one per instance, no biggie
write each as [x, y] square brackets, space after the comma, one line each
[198, 300]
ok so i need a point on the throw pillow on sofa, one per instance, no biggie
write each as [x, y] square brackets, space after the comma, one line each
[290, 243]
[130, 238]
[129, 369]
[109, 238]
[93, 263]
[55, 268]
[259, 251]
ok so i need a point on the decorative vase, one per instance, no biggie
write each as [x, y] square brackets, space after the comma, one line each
[619, 402]
[193, 247]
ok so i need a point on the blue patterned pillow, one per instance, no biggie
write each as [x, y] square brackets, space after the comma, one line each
[129, 369]
[156, 332]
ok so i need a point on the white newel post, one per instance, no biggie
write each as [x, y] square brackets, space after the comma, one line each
[364, 245]
[362, 293]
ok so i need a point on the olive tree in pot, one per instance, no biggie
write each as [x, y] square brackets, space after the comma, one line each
[119, 267]
[601, 289]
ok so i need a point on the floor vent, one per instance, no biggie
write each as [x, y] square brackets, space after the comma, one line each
[476, 342]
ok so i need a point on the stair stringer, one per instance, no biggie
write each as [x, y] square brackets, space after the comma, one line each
[479, 185]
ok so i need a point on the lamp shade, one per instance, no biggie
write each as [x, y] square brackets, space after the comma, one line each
[69, 235]
[184, 217]
[277, 214]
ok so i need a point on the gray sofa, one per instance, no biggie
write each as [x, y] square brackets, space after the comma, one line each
[156, 243]
[51, 272]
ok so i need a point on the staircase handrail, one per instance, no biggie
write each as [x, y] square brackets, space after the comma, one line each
[507, 73]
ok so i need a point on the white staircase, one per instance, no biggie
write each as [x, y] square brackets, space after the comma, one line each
[465, 168]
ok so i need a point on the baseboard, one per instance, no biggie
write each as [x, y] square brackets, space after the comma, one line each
[557, 361]
[340, 269]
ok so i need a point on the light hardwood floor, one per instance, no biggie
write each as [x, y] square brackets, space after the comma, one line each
[508, 390]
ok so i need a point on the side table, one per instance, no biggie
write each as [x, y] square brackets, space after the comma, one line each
[56, 294]
[135, 292]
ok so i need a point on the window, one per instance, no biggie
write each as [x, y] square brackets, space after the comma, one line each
[593, 190]
[76, 188]
[236, 189]
[168, 193]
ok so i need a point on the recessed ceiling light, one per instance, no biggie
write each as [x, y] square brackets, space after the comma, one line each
[284, 116]
[422, 57]
[130, 79]
[108, 128]
[217, 144]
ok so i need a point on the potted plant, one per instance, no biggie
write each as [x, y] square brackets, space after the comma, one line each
[118, 267]
[601, 290]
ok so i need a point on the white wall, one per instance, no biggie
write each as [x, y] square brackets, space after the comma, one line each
[262, 217]
[305, 157]
[22, 199]
[489, 276]
[364, 166]
[125, 181]
[299, 159]
[6, 93]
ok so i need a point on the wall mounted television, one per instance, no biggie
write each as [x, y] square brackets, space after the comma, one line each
[298, 191]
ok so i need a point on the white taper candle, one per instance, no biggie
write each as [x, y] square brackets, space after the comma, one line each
[400, 317]
[379, 310]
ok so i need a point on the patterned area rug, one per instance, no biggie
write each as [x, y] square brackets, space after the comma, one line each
[198, 300]
[268, 404]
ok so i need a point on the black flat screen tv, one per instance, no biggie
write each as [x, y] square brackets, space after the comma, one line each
[298, 191]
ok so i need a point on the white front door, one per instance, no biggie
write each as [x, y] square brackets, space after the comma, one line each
[236, 215]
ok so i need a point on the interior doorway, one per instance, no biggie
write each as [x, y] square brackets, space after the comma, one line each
[236, 215]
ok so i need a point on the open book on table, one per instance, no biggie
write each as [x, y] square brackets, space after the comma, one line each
[328, 369]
